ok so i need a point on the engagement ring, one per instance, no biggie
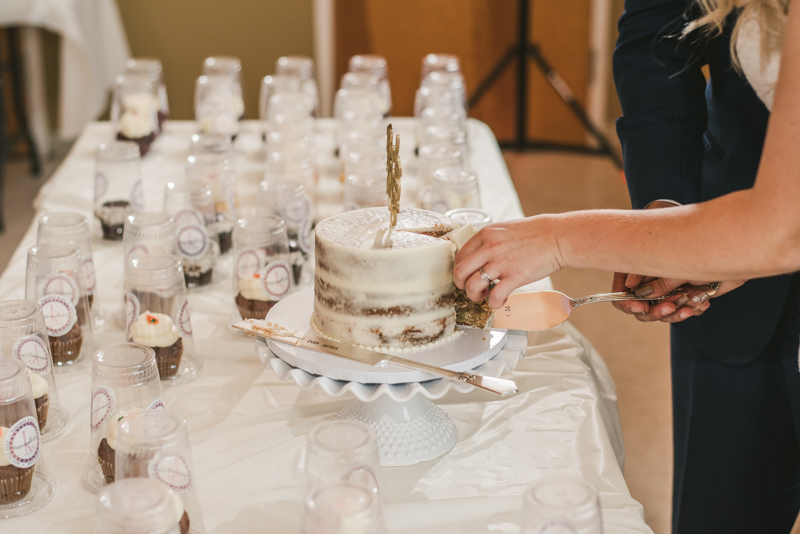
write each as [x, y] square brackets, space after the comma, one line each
[485, 276]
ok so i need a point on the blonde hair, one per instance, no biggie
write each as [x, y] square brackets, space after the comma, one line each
[770, 14]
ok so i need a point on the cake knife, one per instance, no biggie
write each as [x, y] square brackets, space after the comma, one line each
[309, 341]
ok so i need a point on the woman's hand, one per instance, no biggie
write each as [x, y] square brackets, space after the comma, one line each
[516, 252]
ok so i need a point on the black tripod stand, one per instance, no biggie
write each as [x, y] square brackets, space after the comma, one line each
[522, 50]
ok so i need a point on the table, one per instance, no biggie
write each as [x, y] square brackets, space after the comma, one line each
[248, 428]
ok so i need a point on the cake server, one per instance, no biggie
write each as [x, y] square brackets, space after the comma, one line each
[540, 310]
[309, 341]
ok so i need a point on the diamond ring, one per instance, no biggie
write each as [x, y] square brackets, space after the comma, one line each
[485, 276]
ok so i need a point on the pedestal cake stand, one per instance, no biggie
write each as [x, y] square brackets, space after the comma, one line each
[394, 400]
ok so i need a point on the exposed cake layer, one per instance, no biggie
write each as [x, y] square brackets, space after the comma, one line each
[377, 287]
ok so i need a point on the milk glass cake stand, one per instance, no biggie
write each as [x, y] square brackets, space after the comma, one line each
[394, 400]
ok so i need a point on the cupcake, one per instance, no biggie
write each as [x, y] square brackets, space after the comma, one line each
[67, 348]
[40, 397]
[198, 271]
[106, 453]
[224, 231]
[181, 513]
[112, 215]
[251, 300]
[15, 482]
[137, 126]
[157, 331]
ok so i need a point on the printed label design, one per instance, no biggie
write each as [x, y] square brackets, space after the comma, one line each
[59, 314]
[100, 186]
[184, 319]
[34, 353]
[137, 195]
[21, 443]
[104, 402]
[157, 404]
[193, 241]
[189, 217]
[305, 236]
[136, 252]
[62, 284]
[173, 471]
[89, 276]
[247, 263]
[297, 211]
[276, 279]
[132, 310]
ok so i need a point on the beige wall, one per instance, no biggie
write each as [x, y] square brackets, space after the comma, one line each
[184, 32]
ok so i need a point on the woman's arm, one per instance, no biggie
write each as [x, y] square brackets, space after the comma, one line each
[746, 234]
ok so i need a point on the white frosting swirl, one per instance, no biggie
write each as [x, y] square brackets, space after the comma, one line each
[179, 508]
[113, 425]
[250, 288]
[135, 124]
[4, 461]
[154, 330]
[38, 385]
[145, 103]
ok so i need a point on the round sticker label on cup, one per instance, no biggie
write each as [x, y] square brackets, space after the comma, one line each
[137, 195]
[193, 241]
[184, 319]
[33, 353]
[171, 470]
[62, 284]
[157, 404]
[104, 402]
[248, 262]
[276, 279]
[21, 442]
[89, 275]
[132, 310]
[59, 314]
[136, 252]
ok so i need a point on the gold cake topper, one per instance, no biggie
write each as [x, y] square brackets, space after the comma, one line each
[394, 170]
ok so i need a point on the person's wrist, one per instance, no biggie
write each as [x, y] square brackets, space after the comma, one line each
[552, 227]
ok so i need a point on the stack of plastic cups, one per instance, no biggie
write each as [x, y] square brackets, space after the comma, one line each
[151, 67]
[134, 110]
[54, 280]
[431, 159]
[73, 229]
[118, 188]
[290, 140]
[365, 180]
[155, 445]
[375, 66]
[229, 67]
[23, 336]
[273, 85]
[25, 484]
[158, 316]
[303, 68]
[124, 381]
[137, 506]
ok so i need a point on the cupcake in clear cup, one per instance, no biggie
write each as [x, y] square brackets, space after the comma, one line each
[158, 316]
[190, 202]
[118, 189]
[54, 280]
[218, 104]
[151, 68]
[134, 110]
[147, 233]
[273, 85]
[25, 485]
[73, 228]
[343, 507]
[303, 68]
[138, 506]
[227, 67]
[216, 169]
[124, 381]
[264, 274]
[23, 336]
[155, 445]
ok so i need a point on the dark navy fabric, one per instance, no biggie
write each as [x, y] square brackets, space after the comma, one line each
[687, 140]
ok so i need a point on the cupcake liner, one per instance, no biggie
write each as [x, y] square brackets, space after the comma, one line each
[252, 314]
[109, 469]
[184, 523]
[41, 411]
[65, 351]
[168, 359]
[16, 486]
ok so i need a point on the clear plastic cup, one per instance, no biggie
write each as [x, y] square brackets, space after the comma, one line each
[561, 503]
[229, 66]
[211, 143]
[25, 485]
[218, 105]
[265, 270]
[155, 444]
[216, 169]
[444, 125]
[440, 62]
[190, 202]
[376, 66]
[290, 110]
[474, 216]
[435, 157]
[124, 381]
[343, 508]
[151, 67]
[436, 96]
[137, 506]
[23, 336]
[73, 228]
[364, 180]
[294, 164]
[273, 85]
[118, 189]
[454, 188]
[303, 68]
[157, 313]
[134, 110]
[148, 233]
[340, 451]
[54, 279]
[453, 81]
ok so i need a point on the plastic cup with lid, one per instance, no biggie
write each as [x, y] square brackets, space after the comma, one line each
[118, 187]
[134, 109]
[216, 169]
[148, 233]
[230, 66]
[23, 335]
[561, 504]
[375, 66]
[343, 507]
[474, 216]
[273, 85]
[218, 104]
[54, 279]
[155, 444]
[137, 506]
[124, 381]
[157, 316]
[25, 484]
[151, 67]
[454, 187]
[303, 68]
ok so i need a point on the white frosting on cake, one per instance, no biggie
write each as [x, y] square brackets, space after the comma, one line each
[38, 385]
[154, 330]
[135, 124]
[113, 425]
[250, 288]
[378, 287]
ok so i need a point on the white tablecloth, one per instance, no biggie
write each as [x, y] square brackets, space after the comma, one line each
[93, 52]
[248, 428]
